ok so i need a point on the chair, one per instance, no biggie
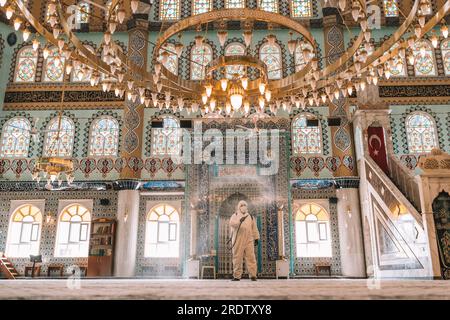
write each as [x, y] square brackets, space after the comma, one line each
[29, 271]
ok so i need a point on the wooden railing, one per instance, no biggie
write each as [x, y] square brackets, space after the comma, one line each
[405, 181]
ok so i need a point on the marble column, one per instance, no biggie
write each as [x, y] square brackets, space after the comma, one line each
[127, 230]
[131, 154]
[349, 219]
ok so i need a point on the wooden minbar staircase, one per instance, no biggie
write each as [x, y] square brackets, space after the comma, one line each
[7, 268]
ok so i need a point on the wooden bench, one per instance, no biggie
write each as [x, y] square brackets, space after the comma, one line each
[58, 268]
[322, 266]
[29, 271]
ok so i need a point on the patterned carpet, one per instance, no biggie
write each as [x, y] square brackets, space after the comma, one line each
[224, 289]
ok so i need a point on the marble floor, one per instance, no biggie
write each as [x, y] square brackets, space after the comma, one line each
[223, 289]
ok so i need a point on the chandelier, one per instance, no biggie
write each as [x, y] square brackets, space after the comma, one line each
[312, 85]
[53, 169]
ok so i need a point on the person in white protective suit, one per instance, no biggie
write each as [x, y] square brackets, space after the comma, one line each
[244, 236]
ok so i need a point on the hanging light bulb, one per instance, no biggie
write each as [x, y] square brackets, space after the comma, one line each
[246, 107]
[107, 37]
[208, 89]
[212, 105]
[121, 15]
[355, 11]
[421, 20]
[155, 78]
[244, 82]
[180, 102]
[2, 3]
[155, 99]
[262, 102]
[157, 68]
[444, 31]
[35, 44]
[164, 57]
[68, 67]
[134, 5]
[417, 31]
[17, 24]
[434, 40]
[236, 97]
[159, 87]
[224, 84]
[45, 53]
[9, 12]
[228, 108]
[268, 95]
[342, 4]
[26, 34]
[56, 32]
[262, 88]
[204, 98]
[112, 26]
[130, 84]
[222, 35]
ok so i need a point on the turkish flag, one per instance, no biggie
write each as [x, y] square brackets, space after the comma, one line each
[377, 147]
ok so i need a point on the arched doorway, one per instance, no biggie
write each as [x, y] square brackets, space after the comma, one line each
[224, 262]
[441, 212]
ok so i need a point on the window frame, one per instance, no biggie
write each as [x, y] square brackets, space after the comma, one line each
[117, 137]
[434, 131]
[280, 54]
[16, 67]
[193, 7]
[312, 117]
[433, 58]
[275, 2]
[160, 13]
[291, 9]
[15, 156]
[45, 147]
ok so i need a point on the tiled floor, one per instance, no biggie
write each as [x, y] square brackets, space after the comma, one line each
[224, 289]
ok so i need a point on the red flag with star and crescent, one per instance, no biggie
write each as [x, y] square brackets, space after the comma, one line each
[377, 147]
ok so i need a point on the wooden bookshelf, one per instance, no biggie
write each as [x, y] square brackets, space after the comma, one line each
[101, 248]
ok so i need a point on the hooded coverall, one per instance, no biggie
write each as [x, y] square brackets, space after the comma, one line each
[244, 243]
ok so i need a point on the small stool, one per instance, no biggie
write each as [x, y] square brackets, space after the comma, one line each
[322, 266]
[55, 268]
[209, 267]
[29, 271]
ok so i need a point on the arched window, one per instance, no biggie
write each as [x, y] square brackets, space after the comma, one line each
[302, 57]
[54, 66]
[72, 238]
[169, 10]
[162, 232]
[306, 136]
[312, 229]
[59, 137]
[301, 8]
[271, 56]
[166, 140]
[397, 66]
[268, 5]
[82, 13]
[15, 138]
[424, 62]
[81, 73]
[421, 132]
[200, 57]
[24, 232]
[201, 6]
[235, 49]
[234, 4]
[171, 62]
[26, 63]
[104, 137]
[445, 49]
[390, 8]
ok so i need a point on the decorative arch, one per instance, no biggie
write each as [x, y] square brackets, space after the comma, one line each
[172, 63]
[166, 140]
[54, 70]
[24, 232]
[104, 137]
[162, 232]
[421, 132]
[200, 57]
[235, 49]
[25, 64]
[424, 59]
[15, 138]
[305, 139]
[87, 131]
[59, 137]
[285, 60]
[445, 52]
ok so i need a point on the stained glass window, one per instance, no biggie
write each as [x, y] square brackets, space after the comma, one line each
[201, 6]
[306, 137]
[59, 137]
[300, 59]
[268, 5]
[26, 65]
[169, 10]
[200, 57]
[424, 64]
[82, 13]
[301, 8]
[445, 49]
[24, 232]
[72, 238]
[271, 56]
[234, 4]
[172, 59]
[162, 232]
[234, 49]
[167, 140]
[398, 65]
[390, 8]
[421, 132]
[312, 229]
[104, 138]
[54, 66]
[80, 73]
[15, 138]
